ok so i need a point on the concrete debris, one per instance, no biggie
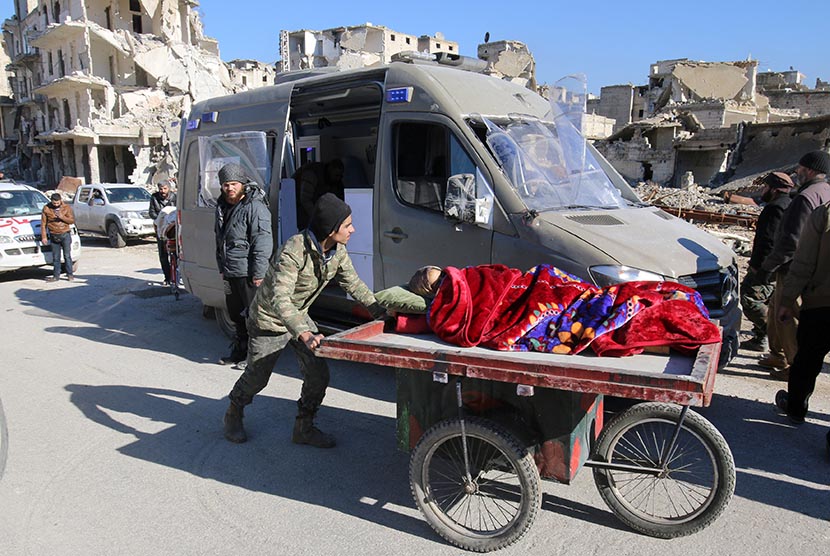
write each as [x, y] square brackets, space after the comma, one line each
[718, 120]
[509, 60]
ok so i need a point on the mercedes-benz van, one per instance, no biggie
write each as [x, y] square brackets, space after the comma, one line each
[444, 167]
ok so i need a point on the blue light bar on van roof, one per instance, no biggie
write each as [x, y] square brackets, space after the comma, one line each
[193, 124]
[210, 117]
[401, 94]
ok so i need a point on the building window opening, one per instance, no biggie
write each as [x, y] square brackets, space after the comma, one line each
[392, 37]
[450, 48]
[648, 173]
[137, 25]
[135, 5]
[67, 116]
[244, 81]
[108, 17]
[56, 12]
[408, 40]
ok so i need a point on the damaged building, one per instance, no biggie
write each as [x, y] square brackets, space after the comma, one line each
[99, 83]
[353, 47]
[250, 74]
[370, 45]
[683, 126]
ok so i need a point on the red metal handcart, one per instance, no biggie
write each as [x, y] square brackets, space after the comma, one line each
[484, 426]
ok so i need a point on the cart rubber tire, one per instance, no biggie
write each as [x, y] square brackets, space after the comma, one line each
[114, 236]
[491, 449]
[634, 437]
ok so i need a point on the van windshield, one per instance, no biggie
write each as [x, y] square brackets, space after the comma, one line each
[21, 203]
[549, 165]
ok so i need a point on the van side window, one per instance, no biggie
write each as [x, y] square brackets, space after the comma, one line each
[426, 156]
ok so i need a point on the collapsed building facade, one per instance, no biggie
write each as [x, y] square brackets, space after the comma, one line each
[684, 126]
[99, 86]
[369, 45]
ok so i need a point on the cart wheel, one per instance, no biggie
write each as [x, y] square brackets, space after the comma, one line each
[497, 507]
[695, 487]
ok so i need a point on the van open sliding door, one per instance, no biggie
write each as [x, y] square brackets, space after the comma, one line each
[246, 128]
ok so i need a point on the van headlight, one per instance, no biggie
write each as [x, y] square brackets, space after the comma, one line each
[130, 215]
[606, 275]
[6, 239]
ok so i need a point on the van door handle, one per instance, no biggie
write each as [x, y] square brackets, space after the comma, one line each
[396, 234]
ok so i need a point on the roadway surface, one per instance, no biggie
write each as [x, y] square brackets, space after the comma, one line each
[110, 443]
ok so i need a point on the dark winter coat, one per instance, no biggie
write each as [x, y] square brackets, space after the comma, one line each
[157, 203]
[812, 194]
[243, 236]
[768, 222]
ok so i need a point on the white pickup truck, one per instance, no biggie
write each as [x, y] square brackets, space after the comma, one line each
[117, 210]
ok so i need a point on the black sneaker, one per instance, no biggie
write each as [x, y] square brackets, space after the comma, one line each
[781, 398]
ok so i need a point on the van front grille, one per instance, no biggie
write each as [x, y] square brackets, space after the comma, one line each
[710, 287]
[26, 238]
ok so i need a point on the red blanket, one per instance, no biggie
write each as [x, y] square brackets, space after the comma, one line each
[546, 309]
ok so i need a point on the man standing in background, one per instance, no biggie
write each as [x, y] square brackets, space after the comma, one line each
[243, 247]
[813, 191]
[158, 200]
[56, 221]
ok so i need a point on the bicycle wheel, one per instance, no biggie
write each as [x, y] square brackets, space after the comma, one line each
[500, 501]
[695, 486]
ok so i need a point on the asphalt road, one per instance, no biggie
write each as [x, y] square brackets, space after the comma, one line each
[110, 443]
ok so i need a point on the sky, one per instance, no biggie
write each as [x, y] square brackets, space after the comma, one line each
[611, 42]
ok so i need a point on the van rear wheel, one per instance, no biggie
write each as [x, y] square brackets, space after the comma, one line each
[114, 236]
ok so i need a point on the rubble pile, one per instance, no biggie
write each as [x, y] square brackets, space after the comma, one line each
[695, 197]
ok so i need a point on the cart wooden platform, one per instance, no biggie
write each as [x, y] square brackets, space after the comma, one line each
[484, 426]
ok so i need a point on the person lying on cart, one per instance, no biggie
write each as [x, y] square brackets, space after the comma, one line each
[278, 317]
[547, 309]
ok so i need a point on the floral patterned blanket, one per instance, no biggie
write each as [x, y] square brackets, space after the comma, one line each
[547, 309]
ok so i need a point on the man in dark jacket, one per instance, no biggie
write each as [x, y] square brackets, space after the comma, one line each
[243, 247]
[158, 200]
[809, 278]
[755, 293]
[813, 191]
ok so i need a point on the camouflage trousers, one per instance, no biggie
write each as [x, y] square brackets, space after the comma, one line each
[264, 349]
[755, 296]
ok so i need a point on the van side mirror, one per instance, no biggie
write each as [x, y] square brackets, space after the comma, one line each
[462, 204]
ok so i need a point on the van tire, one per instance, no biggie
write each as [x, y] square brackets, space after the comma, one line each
[223, 320]
[114, 236]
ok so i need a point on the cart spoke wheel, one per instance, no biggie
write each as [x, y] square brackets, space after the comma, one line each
[491, 508]
[697, 480]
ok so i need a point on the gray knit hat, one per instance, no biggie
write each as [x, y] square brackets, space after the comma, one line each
[233, 172]
[817, 161]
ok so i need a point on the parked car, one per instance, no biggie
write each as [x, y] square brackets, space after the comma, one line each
[20, 247]
[119, 211]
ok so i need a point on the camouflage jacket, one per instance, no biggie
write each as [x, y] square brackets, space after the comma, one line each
[295, 278]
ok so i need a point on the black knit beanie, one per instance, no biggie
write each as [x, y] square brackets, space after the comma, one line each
[328, 214]
[818, 161]
[233, 172]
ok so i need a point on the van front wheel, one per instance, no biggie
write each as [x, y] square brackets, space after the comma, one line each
[114, 236]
